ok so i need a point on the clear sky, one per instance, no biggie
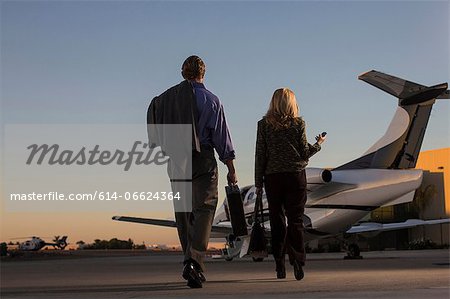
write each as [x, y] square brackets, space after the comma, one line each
[102, 62]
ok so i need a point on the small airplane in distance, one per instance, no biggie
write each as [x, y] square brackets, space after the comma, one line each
[340, 198]
[36, 243]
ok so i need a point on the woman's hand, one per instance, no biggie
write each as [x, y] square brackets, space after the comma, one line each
[258, 191]
[320, 139]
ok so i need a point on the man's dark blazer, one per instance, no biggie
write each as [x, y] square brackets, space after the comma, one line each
[177, 105]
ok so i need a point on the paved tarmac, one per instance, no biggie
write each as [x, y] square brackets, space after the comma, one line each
[389, 274]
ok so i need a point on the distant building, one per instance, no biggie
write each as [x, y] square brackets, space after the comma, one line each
[435, 191]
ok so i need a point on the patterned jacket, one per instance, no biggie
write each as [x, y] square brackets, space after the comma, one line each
[281, 150]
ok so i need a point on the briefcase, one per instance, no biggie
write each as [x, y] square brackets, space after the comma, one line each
[236, 210]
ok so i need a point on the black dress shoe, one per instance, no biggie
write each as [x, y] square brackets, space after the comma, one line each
[298, 271]
[192, 276]
[202, 277]
[199, 271]
[193, 284]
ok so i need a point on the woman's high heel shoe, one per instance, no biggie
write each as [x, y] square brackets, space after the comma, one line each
[298, 271]
[281, 273]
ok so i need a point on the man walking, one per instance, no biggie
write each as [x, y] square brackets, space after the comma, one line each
[200, 107]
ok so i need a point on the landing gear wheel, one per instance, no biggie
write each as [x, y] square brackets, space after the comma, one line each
[228, 259]
[258, 259]
[353, 252]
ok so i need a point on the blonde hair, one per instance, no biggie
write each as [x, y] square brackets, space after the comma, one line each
[283, 109]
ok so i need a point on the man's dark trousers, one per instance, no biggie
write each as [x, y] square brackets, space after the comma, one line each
[194, 228]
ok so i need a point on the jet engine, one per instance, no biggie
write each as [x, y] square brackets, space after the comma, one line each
[318, 175]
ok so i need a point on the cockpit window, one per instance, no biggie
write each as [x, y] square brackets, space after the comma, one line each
[250, 197]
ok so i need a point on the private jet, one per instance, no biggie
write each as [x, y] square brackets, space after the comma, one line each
[339, 198]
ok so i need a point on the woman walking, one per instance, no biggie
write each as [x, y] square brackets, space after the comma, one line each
[282, 153]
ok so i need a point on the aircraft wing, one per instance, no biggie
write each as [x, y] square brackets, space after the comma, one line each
[378, 227]
[223, 228]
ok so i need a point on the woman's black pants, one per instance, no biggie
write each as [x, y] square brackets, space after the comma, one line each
[286, 196]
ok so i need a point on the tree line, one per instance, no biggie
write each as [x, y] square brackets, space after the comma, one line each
[114, 243]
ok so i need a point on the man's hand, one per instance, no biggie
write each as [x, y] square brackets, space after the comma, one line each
[231, 176]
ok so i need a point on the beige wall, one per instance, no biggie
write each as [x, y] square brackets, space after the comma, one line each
[437, 162]
[436, 166]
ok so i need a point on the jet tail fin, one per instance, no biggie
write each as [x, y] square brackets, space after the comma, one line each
[407, 92]
[400, 146]
[445, 95]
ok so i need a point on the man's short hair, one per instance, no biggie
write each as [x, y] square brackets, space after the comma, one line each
[193, 68]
